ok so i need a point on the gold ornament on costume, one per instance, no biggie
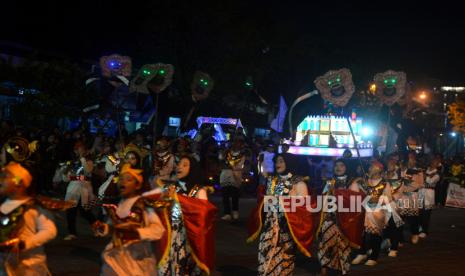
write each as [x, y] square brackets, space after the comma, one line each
[20, 149]
[376, 191]
[201, 86]
[233, 159]
[390, 86]
[152, 78]
[336, 86]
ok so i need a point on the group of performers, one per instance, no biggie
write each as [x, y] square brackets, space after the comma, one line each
[402, 194]
[166, 229]
[162, 222]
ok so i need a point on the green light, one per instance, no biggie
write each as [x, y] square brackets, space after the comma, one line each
[162, 72]
[248, 83]
[393, 81]
[385, 81]
[330, 82]
[146, 72]
[338, 79]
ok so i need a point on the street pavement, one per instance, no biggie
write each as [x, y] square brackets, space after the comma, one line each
[441, 253]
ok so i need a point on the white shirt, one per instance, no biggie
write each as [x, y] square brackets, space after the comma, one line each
[37, 230]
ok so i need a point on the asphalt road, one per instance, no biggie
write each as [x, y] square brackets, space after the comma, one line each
[441, 253]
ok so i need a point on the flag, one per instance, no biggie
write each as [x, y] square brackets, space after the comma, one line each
[277, 123]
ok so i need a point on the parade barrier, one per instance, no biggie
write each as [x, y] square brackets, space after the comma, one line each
[455, 196]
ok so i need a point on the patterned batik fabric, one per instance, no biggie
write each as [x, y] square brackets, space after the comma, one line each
[333, 248]
[180, 260]
[276, 250]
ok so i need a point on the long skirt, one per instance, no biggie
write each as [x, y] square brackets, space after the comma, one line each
[333, 248]
[181, 261]
[276, 250]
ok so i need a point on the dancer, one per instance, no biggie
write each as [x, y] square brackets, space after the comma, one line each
[338, 233]
[409, 204]
[426, 196]
[79, 189]
[163, 161]
[376, 215]
[135, 225]
[231, 179]
[26, 225]
[394, 230]
[188, 247]
[281, 233]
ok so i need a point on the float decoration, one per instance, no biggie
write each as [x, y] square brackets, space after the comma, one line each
[390, 86]
[201, 86]
[336, 86]
[152, 78]
[116, 66]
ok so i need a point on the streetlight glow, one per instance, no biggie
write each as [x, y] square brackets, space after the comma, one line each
[423, 95]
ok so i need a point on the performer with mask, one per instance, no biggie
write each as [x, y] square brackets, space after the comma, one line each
[339, 232]
[280, 232]
[188, 247]
[376, 215]
[409, 203]
[163, 161]
[231, 179]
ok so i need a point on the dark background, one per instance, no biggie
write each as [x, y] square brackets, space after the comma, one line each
[284, 45]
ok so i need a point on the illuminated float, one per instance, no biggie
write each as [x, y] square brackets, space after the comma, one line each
[330, 136]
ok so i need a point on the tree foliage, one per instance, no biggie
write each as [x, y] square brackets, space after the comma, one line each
[61, 90]
[457, 116]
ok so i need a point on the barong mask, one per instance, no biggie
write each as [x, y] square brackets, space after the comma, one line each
[336, 86]
[390, 86]
[152, 78]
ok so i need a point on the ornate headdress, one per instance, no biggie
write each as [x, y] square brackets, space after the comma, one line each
[19, 173]
[137, 174]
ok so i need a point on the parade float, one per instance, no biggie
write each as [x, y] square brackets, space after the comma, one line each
[334, 133]
[223, 128]
[329, 135]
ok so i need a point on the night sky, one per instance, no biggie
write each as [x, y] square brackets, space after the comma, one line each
[283, 45]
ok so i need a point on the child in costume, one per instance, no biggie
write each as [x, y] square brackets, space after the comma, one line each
[377, 214]
[188, 248]
[24, 225]
[135, 224]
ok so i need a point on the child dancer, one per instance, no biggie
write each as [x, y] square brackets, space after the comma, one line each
[25, 227]
[135, 225]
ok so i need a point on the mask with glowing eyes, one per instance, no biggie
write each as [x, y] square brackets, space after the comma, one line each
[201, 85]
[115, 65]
[152, 78]
[336, 86]
[390, 86]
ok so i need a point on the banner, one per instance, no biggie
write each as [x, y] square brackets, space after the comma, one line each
[277, 123]
[455, 196]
